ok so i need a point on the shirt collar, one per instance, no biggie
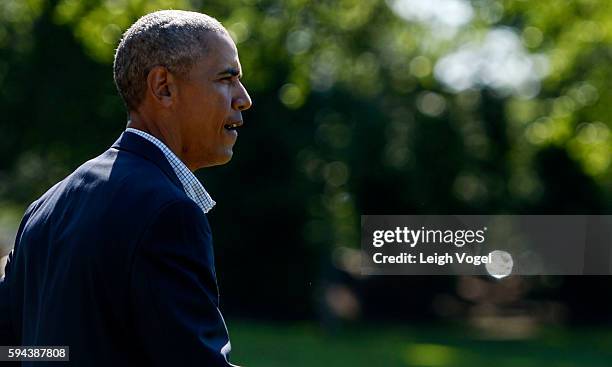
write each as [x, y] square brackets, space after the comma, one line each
[193, 188]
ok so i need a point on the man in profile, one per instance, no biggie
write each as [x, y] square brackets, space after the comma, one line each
[116, 261]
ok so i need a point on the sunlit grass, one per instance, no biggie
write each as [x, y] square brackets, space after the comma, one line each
[305, 344]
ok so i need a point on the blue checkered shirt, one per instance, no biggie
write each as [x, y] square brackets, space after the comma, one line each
[193, 188]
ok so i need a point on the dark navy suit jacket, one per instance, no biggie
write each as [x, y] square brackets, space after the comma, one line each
[116, 262]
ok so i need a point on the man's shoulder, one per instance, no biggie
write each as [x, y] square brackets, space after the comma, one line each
[115, 181]
[131, 173]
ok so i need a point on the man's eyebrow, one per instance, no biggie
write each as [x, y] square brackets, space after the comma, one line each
[231, 71]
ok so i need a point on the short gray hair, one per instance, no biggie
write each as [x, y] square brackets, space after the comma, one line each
[175, 39]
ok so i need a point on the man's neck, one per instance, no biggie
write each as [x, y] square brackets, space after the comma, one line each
[170, 138]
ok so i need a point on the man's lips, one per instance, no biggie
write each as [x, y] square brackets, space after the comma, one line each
[233, 125]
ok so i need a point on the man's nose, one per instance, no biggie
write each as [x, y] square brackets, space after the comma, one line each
[242, 101]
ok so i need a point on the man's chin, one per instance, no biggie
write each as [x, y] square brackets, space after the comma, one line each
[220, 159]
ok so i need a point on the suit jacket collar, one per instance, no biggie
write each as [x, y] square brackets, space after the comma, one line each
[142, 147]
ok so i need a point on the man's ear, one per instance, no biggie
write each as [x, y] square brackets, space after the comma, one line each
[161, 85]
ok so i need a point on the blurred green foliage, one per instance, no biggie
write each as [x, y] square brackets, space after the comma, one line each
[360, 107]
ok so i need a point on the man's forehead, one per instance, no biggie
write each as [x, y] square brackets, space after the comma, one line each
[223, 55]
